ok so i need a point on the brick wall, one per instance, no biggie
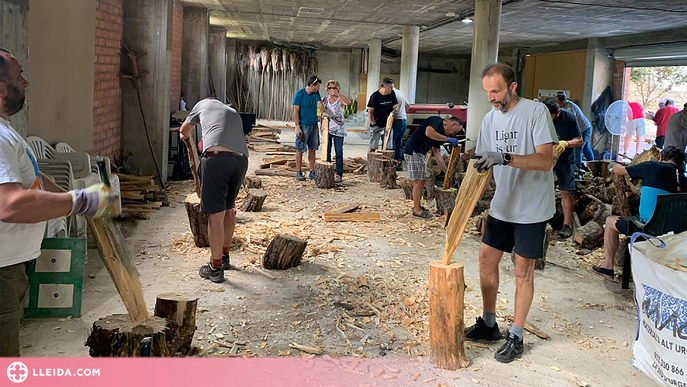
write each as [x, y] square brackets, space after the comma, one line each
[177, 43]
[621, 81]
[107, 114]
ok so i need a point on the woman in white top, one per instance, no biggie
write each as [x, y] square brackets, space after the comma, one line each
[334, 104]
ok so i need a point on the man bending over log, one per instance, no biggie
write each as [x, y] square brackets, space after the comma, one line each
[658, 178]
[221, 173]
[430, 135]
[516, 138]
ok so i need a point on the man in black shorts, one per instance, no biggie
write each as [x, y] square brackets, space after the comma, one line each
[569, 137]
[221, 173]
[658, 178]
[516, 138]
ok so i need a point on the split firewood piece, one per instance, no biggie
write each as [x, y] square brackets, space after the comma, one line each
[180, 313]
[530, 328]
[354, 217]
[589, 236]
[621, 201]
[284, 252]
[325, 139]
[407, 186]
[307, 349]
[254, 200]
[452, 168]
[197, 220]
[344, 209]
[324, 174]
[118, 336]
[252, 182]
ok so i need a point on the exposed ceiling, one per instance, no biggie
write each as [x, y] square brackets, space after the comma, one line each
[524, 23]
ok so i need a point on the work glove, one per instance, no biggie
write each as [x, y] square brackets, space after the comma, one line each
[486, 160]
[610, 166]
[453, 141]
[299, 132]
[92, 202]
[560, 147]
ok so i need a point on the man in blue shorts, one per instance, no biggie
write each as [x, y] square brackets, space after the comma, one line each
[305, 104]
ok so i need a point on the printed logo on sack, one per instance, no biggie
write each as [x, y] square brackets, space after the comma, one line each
[17, 372]
[666, 311]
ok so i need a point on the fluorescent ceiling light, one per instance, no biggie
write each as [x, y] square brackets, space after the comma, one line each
[466, 20]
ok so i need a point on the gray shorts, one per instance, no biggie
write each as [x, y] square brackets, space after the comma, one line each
[220, 180]
[636, 127]
[311, 138]
[376, 134]
[417, 166]
[14, 284]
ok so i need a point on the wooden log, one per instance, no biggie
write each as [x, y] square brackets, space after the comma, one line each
[621, 202]
[387, 154]
[118, 336]
[254, 200]
[470, 190]
[387, 131]
[284, 252]
[589, 236]
[407, 186]
[324, 174]
[374, 166]
[252, 182]
[197, 220]
[446, 199]
[180, 313]
[452, 168]
[619, 258]
[651, 154]
[446, 323]
[530, 328]
[428, 191]
[352, 217]
[388, 175]
[325, 139]
[116, 257]
[194, 163]
[272, 172]
[599, 168]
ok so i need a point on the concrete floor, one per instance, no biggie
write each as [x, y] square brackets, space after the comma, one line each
[591, 321]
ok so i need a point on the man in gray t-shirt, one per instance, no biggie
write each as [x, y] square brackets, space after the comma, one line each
[516, 139]
[221, 173]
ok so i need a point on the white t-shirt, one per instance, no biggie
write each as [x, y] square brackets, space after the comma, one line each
[402, 104]
[18, 242]
[521, 196]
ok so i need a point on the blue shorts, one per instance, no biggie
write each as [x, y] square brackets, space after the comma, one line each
[565, 172]
[311, 138]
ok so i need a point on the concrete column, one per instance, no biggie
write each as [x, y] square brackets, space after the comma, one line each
[485, 47]
[14, 36]
[354, 74]
[374, 62]
[231, 71]
[148, 28]
[598, 76]
[409, 55]
[194, 58]
[217, 51]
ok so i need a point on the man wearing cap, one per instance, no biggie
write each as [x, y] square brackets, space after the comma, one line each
[585, 128]
[661, 119]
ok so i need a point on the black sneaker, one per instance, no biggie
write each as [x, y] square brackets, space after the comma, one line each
[566, 232]
[225, 262]
[513, 348]
[214, 275]
[311, 175]
[300, 176]
[481, 331]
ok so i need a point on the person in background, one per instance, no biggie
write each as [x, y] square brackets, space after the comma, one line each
[661, 119]
[585, 129]
[636, 126]
[676, 132]
[570, 138]
[27, 200]
[658, 178]
[305, 104]
[382, 103]
[334, 104]
[399, 128]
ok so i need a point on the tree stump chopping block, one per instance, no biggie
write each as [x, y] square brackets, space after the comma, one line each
[254, 200]
[252, 182]
[388, 176]
[197, 220]
[284, 252]
[180, 313]
[118, 336]
[446, 199]
[324, 174]
[407, 186]
[446, 324]
[374, 167]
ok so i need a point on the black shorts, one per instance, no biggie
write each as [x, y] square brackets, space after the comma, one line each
[660, 141]
[565, 173]
[626, 226]
[221, 178]
[526, 239]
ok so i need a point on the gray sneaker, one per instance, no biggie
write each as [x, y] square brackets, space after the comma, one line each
[214, 275]
[300, 176]
[311, 176]
[565, 232]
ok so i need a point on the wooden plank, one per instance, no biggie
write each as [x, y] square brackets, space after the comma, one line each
[344, 209]
[272, 172]
[194, 163]
[355, 217]
[325, 139]
[387, 131]
[469, 193]
[115, 254]
[130, 195]
[453, 161]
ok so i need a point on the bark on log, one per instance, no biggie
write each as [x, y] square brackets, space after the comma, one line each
[621, 201]
[599, 168]
[407, 186]
[446, 199]
[388, 175]
[324, 174]
[252, 182]
[540, 263]
[622, 249]
[428, 190]
[180, 313]
[118, 336]
[589, 236]
[374, 167]
[254, 200]
[446, 323]
[197, 220]
[284, 252]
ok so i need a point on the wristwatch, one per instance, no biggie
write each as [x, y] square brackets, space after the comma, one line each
[507, 158]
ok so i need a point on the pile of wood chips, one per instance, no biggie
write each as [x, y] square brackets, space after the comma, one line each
[140, 196]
